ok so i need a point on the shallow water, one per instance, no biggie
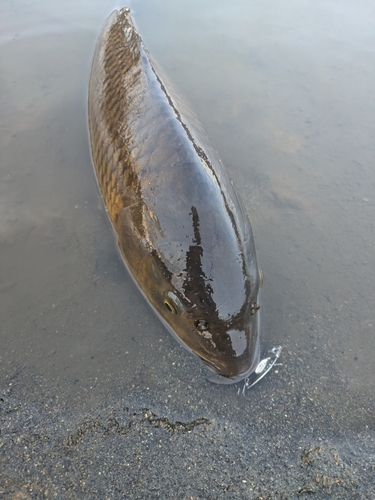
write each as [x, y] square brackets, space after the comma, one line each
[286, 93]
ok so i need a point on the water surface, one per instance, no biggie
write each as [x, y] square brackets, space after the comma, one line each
[286, 93]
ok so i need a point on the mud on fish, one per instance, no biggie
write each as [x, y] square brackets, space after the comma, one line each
[182, 231]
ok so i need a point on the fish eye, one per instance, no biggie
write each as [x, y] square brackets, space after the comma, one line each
[201, 325]
[173, 303]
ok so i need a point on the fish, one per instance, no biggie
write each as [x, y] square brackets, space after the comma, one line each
[182, 231]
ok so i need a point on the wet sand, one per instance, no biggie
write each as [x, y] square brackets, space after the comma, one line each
[97, 400]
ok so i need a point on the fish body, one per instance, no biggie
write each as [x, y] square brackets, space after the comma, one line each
[182, 231]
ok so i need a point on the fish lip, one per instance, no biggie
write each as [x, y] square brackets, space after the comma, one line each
[222, 379]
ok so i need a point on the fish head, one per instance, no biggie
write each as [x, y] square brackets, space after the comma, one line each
[227, 341]
[203, 287]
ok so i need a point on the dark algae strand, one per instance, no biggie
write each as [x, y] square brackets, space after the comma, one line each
[182, 231]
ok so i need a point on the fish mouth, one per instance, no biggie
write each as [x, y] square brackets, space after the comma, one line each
[217, 378]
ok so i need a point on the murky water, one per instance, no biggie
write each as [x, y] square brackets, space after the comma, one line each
[286, 92]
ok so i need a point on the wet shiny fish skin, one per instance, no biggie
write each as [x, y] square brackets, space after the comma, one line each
[182, 231]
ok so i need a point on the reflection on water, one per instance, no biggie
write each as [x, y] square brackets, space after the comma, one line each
[287, 97]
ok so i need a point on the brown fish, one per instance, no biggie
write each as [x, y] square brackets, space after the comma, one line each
[182, 231]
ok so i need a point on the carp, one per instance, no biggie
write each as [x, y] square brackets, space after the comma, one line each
[182, 231]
